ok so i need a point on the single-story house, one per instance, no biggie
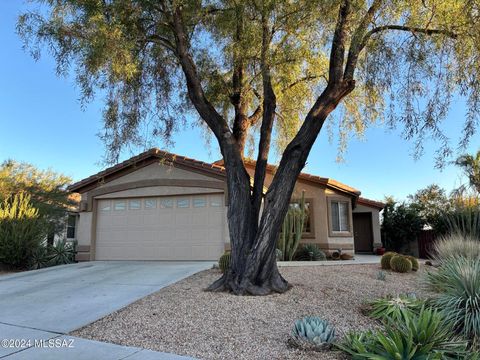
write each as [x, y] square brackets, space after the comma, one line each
[162, 206]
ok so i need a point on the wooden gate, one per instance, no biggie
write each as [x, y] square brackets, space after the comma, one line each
[426, 238]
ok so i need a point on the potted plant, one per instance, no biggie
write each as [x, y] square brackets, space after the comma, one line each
[380, 250]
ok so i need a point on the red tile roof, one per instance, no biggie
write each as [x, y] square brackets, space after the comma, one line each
[152, 153]
[331, 183]
[215, 168]
[371, 203]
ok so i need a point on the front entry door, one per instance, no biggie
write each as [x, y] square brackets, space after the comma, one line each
[362, 232]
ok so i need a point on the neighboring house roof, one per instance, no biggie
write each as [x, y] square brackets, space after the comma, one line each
[371, 203]
[141, 160]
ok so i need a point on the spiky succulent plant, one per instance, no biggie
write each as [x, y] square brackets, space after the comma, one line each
[385, 260]
[401, 264]
[312, 331]
[224, 262]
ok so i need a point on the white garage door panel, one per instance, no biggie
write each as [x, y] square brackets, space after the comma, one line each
[162, 230]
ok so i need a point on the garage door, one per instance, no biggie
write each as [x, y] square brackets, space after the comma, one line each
[164, 228]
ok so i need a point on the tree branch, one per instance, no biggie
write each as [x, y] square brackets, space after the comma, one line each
[337, 52]
[240, 122]
[305, 78]
[269, 106]
[357, 44]
[195, 90]
[413, 30]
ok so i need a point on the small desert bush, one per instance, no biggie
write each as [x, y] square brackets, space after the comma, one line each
[456, 287]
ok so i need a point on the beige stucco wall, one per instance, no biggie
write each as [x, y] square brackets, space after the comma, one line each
[159, 171]
[84, 228]
[377, 237]
[318, 195]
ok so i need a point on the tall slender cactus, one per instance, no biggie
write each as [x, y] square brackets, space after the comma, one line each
[292, 230]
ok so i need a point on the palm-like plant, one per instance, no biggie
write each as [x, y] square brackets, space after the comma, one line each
[470, 164]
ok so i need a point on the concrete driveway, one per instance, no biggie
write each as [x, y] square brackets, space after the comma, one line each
[54, 301]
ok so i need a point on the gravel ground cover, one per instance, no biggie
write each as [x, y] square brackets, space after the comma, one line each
[186, 320]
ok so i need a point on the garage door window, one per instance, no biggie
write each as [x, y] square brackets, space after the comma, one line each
[150, 204]
[183, 203]
[199, 202]
[134, 204]
[119, 205]
[166, 203]
[105, 206]
[215, 202]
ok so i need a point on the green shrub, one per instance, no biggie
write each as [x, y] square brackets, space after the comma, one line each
[224, 262]
[401, 264]
[456, 245]
[456, 284]
[22, 231]
[414, 261]
[311, 331]
[395, 307]
[310, 252]
[419, 336]
[385, 260]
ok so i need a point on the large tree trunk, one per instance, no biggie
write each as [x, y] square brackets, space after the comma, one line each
[253, 269]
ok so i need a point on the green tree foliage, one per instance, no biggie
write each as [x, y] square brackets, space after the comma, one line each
[400, 51]
[470, 165]
[22, 231]
[47, 190]
[430, 202]
[401, 224]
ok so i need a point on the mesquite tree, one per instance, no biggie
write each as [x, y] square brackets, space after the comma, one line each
[264, 72]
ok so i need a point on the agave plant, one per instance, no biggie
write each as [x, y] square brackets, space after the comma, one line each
[456, 284]
[310, 252]
[62, 252]
[313, 331]
[421, 336]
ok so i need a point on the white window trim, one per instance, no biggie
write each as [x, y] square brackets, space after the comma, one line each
[331, 232]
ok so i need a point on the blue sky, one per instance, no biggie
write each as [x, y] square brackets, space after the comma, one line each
[41, 122]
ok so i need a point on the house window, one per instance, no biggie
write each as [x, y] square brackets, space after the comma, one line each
[71, 224]
[340, 216]
[119, 205]
[166, 203]
[199, 202]
[134, 204]
[308, 222]
[150, 204]
[183, 203]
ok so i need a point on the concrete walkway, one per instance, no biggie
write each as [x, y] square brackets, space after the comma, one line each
[360, 259]
[49, 303]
